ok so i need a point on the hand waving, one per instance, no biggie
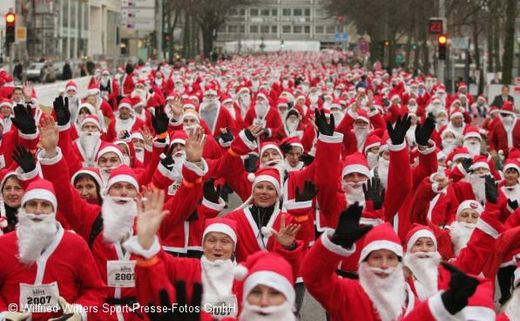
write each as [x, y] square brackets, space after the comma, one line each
[286, 236]
[308, 193]
[149, 216]
[61, 109]
[348, 230]
[24, 159]
[398, 132]
[423, 132]
[195, 146]
[23, 119]
[324, 127]
[375, 193]
[211, 193]
[461, 289]
[160, 120]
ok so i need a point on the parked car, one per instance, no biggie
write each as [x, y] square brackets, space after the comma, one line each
[33, 72]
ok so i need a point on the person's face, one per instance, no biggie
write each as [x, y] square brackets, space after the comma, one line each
[89, 128]
[264, 194]
[109, 160]
[188, 121]
[122, 189]
[505, 91]
[355, 178]
[270, 155]
[293, 156]
[138, 143]
[71, 93]
[124, 113]
[292, 118]
[359, 123]
[12, 192]
[18, 95]
[177, 148]
[481, 171]
[283, 109]
[210, 97]
[374, 150]
[511, 176]
[5, 111]
[38, 206]
[218, 246]
[91, 100]
[265, 296]
[468, 216]
[87, 189]
[423, 244]
[457, 121]
[449, 135]
[472, 140]
[382, 259]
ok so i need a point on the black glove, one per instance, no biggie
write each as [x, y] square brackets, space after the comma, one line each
[168, 160]
[466, 164]
[424, 132]
[308, 193]
[285, 148]
[227, 136]
[491, 189]
[375, 193]
[23, 119]
[462, 287]
[306, 159]
[324, 127]
[249, 135]
[512, 204]
[211, 193]
[118, 99]
[61, 109]
[398, 132]
[189, 312]
[160, 120]
[24, 159]
[348, 230]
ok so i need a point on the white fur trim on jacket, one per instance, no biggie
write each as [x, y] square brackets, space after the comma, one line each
[132, 245]
[335, 138]
[194, 167]
[46, 160]
[439, 312]
[334, 248]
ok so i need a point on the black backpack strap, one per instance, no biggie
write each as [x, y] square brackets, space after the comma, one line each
[97, 227]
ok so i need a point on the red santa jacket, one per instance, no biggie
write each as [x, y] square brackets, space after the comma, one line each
[223, 119]
[66, 261]
[346, 126]
[498, 137]
[271, 121]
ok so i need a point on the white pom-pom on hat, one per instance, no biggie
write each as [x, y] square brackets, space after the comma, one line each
[240, 272]
[266, 231]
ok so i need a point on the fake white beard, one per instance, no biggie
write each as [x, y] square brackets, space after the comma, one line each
[410, 135]
[507, 121]
[388, 295]
[139, 93]
[448, 145]
[512, 309]
[179, 159]
[283, 312]
[261, 109]
[139, 154]
[289, 168]
[217, 279]
[190, 129]
[313, 98]
[90, 143]
[361, 134]
[460, 233]
[291, 126]
[424, 266]
[103, 81]
[126, 160]
[473, 147]
[179, 90]
[412, 108]
[158, 81]
[512, 192]
[34, 237]
[118, 219]
[245, 101]
[123, 124]
[338, 117]
[382, 171]
[372, 159]
[354, 192]
[478, 185]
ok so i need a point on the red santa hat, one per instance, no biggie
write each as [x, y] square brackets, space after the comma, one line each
[221, 225]
[191, 113]
[269, 145]
[512, 163]
[90, 119]
[141, 83]
[226, 98]
[363, 115]
[262, 93]
[40, 189]
[355, 163]
[270, 175]
[6, 102]
[109, 147]
[458, 153]
[479, 161]
[269, 269]
[88, 107]
[71, 85]
[471, 132]
[381, 237]
[178, 137]
[93, 172]
[293, 142]
[125, 103]
[136, 134]
[93, 87]
[371, 141]
[282, 102]
[507, 108]
[456, 112]
[416, 232]
[469, 204]
[122, 173]
[210, 90]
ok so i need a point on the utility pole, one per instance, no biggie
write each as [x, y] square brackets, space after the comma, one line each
[159, 33]
[239, 44]
[441, 62]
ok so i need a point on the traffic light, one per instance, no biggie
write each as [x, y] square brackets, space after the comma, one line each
[386, 43]
[442, 42]
[10, 28]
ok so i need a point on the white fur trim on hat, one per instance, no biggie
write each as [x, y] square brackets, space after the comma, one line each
[112, 149]
[417, 235]
[221, 228]
[270, 279]
[89, 173]
[267, 178]
[380, 245]
[456, 113]
[349, 169]
[178, 141]
[459, 156]
[71, 87]
[270, 146]
[472, 204]
[123, 178]
[511, 165]
[93, 91]
[472, 135]
[125, 105]
[210, 92]
[479, 165]
[41, 194]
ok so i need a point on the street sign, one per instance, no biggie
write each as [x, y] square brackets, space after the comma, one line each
[342, 36]
[363, 46]
[144, 25]
[436, 26]
[21, 34]
[141, 13]
[138, 3]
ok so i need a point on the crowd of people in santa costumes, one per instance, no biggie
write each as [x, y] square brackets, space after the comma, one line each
[227, 190]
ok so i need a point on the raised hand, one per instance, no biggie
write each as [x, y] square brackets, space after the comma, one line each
[308, 193]
[253, 131]
[375, 193]
[512, 204]
[24, 159]
[160, 120]
[149, 216]
[177, 106]
[462, 287]
[61, 109]
[191, 311]
[398, 132]
[49, 135]
[348, 230]
[491, 189]
[211, 193]
[167, 161]
[23, 119]
[324, 127]
[286, 236]
[147, 136]
[27, 90]
[195, 145]
[466, 164]
[424, 132]
[226, 136]
[306, 159]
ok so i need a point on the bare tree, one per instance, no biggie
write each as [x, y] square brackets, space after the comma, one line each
[509, 42]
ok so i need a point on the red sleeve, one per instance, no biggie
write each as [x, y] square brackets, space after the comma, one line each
[399, 180]
[428, 165]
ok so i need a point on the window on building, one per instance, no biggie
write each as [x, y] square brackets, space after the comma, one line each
[307, 12]
[242, 12]
[253, 12]
[264, 29]
[331, 29]
[65, 14]
[73, 12]
[286, 29]
[233, 28]
[253, 29]
[297, 29]
[307, 29]
[319, 29]
[242, 29]
[297, 12]
[274, 29]
[85, 17]
[264, 12]
[274, 12]
[286, 12]
[233, 12]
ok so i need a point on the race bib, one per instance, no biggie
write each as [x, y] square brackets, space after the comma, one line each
[39, 298]
[223, 307]
[259, 122]
[121, 274]
[172, 189]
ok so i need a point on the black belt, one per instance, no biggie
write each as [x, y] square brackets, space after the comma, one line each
[194, 254]
[348, 275]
